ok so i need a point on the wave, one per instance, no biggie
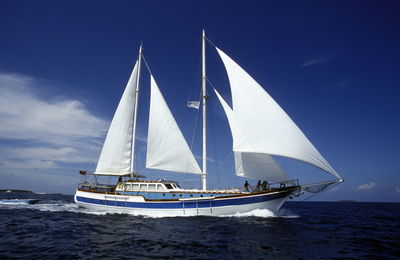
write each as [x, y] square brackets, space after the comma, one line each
[264, 213]
[66, 206]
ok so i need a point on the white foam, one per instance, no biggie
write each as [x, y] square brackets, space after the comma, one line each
[285, 213]
[72, 207]
[63, 206]
[263, 213]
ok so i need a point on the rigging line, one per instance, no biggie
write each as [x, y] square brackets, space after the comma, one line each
[195, 124]
[210, 83]
[214, 146]
[211, 42]
[147, 65]
[220, 166]
[223, 162]
[315, 194]
[226, 158]
[198, 99]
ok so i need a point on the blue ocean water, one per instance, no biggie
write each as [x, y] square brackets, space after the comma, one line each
[57, 228]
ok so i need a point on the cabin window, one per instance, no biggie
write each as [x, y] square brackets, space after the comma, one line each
[128, 187]
[169, 186]
[152, 186]
[135, 186]
[143, 186]
[160, 187]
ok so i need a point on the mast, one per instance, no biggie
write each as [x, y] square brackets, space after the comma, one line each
[204, 99]
[135, 114]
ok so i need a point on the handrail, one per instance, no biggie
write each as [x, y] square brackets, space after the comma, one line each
[271, 186]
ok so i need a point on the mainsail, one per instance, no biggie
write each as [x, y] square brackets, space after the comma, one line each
[115, 157]
[264, 126]
[167, 149]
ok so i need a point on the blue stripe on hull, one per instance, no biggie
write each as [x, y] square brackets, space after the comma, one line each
[186, 204]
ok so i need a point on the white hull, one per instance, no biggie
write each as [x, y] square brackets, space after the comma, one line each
[212, 207]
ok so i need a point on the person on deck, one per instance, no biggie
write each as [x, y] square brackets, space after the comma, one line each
[265, 185]
[259, 185]
[246, 186]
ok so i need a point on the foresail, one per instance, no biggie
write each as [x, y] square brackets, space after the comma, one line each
[238, 138]
[257, 166]
[264, 125]
[116, 154]
[167, 149]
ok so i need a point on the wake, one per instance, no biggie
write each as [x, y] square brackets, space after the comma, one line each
[63, 206]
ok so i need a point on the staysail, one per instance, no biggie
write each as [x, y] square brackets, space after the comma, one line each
[264, 126]
[167, 149]
[251, 165]
[115, 157]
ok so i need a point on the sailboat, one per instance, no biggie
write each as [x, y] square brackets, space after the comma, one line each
[260, 129]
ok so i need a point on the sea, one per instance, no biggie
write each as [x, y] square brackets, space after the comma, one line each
[55, 228]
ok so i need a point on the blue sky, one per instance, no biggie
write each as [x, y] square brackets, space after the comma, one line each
[332, 65]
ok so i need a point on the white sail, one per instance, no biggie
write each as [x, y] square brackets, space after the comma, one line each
[166, 147]
[259, 166]
[264, 125]
[255, 166]
[115, 157]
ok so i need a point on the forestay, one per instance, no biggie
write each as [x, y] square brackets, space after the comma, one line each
[264, 125]
[115, 157]
[167, 149]
[251, 165]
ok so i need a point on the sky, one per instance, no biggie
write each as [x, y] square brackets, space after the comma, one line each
[333, 66]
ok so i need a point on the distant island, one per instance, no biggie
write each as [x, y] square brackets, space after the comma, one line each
[17, 191]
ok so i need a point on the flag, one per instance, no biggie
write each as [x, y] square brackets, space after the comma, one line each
[193, 104]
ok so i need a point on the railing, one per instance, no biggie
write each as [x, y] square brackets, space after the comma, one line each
[265, 186]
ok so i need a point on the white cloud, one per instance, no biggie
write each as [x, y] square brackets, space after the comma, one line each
[28, 164]
[24, 115]
[40, 132]
[367, 186]
[316, 61]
